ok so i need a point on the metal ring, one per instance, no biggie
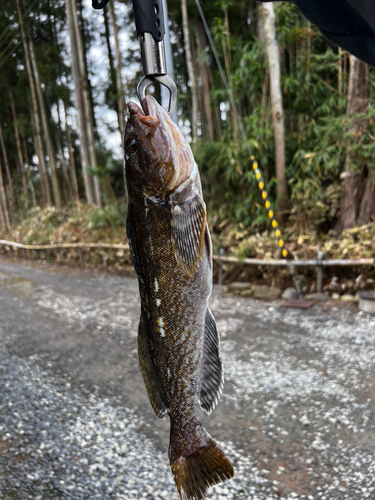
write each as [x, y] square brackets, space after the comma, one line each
[163, 80]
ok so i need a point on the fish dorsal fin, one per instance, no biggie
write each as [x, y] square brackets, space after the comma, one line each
[188, 226]
[212, 375]
[148, 372]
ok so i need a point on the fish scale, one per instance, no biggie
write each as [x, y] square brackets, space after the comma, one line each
[189, 308]
[178, 341]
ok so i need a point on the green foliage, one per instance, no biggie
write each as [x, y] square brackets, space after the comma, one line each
[229, 184]
[110, 216]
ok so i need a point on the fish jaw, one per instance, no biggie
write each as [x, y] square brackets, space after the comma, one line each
[158, 158]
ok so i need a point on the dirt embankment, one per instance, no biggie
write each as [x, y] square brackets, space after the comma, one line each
[93, 225]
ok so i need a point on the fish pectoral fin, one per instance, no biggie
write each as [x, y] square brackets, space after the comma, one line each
[188, 227]
[149, 377]
[212, 376]
[208, 241]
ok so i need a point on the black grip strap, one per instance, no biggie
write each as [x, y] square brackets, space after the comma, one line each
[149, 18]
[99, 5]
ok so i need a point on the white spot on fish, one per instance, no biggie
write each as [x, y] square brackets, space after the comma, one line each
[161, 324]
[156, 285]
[158, 302]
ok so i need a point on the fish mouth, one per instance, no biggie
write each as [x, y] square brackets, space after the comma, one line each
[149, 115]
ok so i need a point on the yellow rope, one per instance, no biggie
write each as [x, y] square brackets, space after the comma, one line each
[267, 204]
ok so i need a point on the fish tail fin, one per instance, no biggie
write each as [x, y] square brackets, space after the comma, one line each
[196, 461]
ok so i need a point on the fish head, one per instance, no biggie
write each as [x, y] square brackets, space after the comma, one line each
[158, 158]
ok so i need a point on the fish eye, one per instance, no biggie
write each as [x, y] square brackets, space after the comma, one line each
[132, 145]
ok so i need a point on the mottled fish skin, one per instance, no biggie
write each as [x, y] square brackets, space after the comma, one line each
[177, 340]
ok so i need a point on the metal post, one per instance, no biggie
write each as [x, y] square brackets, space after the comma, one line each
[221, 253]
[319, 278]
[295, 280]
[80, 256]
[103, 256]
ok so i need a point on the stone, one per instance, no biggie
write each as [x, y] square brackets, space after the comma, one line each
[247, 293]
[264, 292]
[336, 296]
[318, 297]
[290, 293]
[237, 287]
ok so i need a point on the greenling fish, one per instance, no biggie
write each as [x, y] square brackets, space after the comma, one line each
[178, 341]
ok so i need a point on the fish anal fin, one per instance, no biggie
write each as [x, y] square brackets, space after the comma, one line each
[150, 379]
[188, 226]
[212, 375]
[203, 466]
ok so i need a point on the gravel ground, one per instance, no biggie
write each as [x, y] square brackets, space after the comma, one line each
[296, 417]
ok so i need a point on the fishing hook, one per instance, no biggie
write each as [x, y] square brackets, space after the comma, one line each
[164, 80]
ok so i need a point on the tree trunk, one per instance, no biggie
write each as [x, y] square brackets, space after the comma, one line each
[46, 193]
[225, 40]
[89, 119]
[119, 83]
[64, 167]
[72, 167]
[19, 150]
[191, 74]
[205, 81]
[260, 24]
[367, 203]
[47, 135]
[6, 163]
[36, 147]
[2, 218]
[78, 83]
[111, 86]
[107, 38]
[353, 183]
[3, 201]
[29, 180]
[277, 104]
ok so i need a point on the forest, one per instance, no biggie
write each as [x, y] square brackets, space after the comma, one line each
[66, 72]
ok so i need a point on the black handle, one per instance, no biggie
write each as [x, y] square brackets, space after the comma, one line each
[99, 5]
[149, 18]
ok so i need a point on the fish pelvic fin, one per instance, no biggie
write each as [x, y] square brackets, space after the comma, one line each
[196, 461]
[212, 374]
[188, 227]
[148, 372]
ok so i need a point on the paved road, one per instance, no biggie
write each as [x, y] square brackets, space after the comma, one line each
[296, 416]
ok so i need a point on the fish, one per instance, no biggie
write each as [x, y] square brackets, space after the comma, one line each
[178, 339]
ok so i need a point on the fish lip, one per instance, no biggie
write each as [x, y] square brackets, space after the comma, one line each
[149, 116]
[152, 116]
[134, 109]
